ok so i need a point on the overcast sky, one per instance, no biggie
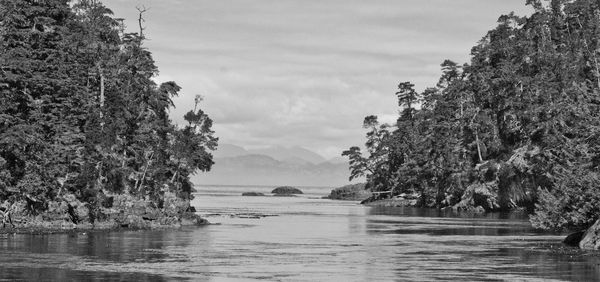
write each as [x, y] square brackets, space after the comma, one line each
[305, 72]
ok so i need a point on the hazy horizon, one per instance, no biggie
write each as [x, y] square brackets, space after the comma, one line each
[274, 166]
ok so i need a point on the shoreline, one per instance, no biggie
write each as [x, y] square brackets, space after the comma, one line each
[64, 227]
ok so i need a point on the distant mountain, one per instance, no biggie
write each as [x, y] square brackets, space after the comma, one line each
[282, 153]
[296, 160]
[228, 150]
[338, 160]
[283, 166]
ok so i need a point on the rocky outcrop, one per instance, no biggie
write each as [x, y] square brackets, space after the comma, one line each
[479, 197]
[252, 194]
[286, 190]
[402, 200]
[591, 237]
[124, 211]
[192, 219]
[353, 192]
[397, 201]
[574, 239]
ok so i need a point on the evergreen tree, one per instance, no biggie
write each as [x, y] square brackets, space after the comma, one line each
[81, 118]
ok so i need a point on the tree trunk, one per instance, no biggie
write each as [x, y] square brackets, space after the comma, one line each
[145, 170]
[101, 74]
[176, 172]
[478, 147]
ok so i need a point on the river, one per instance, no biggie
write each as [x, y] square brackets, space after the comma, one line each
[303, 239]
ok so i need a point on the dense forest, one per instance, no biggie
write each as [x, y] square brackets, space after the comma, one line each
[517, 128]
[85, 131]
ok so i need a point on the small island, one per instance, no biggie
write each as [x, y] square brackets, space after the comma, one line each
[286, 191]
[253, 194]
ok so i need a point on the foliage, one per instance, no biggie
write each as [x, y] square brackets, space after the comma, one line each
[81, 117]
[528, 102]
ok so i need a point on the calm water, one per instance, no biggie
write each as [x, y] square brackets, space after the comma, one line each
[309, 239]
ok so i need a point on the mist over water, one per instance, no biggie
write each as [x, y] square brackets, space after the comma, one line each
[303, 238]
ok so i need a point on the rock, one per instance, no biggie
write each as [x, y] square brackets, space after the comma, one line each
[574, 239]
[478, 209]
[591, 238]
[286, 190]
[353, 192]
[192, 219]
[479, 197]
[151, 216]
[253, 194]
[395, 202]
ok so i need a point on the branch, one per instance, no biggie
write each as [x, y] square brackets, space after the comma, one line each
[141, 11]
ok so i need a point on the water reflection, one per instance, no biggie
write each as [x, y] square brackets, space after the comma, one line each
[489, 247]
[127, 255]
[310, 240]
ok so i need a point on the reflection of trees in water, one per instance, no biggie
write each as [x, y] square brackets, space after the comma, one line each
[410, 220]
[53, 274]
[430, 243]
[558, 262]
[426, 212]
[126, 256]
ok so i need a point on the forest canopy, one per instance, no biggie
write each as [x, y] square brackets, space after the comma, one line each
[517, 127]
[82, 120]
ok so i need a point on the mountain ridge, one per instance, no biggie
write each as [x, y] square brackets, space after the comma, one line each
[297, 166]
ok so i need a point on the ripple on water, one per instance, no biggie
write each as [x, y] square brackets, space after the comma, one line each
[309, 240]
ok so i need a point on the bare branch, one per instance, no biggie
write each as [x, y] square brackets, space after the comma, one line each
[141, 10]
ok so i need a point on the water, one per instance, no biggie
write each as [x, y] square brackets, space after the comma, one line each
[309, 239]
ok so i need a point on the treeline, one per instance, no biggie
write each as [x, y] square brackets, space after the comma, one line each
[518, 127]
[81, 118]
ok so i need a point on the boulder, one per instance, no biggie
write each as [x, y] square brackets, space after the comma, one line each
[353, 192]
[253, 194]
[574, 239]
[479, 197]
[591, 237]
[286, 190]
[190, 218]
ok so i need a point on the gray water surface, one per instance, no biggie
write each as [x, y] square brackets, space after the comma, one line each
[303, 239]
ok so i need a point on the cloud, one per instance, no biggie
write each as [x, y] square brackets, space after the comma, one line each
[306, 73]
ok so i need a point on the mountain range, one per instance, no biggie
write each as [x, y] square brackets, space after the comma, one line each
[274, 166]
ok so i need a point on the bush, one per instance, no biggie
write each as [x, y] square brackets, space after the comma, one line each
[573, 203]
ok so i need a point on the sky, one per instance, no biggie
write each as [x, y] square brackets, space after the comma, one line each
[305, 72]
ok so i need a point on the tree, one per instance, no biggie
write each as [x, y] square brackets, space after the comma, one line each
[520, 121]
[81, 117]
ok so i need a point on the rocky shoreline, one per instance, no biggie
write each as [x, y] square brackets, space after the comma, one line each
[67, 227]
[352, 192]
[588, 239]
[41, 228]
[125, 212]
